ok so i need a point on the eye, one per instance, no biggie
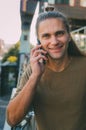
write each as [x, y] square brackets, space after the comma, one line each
[60, 33]
[46, 36]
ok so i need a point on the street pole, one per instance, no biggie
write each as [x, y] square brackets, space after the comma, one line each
[27, 10]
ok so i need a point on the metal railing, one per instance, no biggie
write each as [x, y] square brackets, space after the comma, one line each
[28, 123]
[79, 36]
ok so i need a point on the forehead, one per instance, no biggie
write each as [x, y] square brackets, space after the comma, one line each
[51, 24]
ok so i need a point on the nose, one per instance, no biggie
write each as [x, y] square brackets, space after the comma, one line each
[54, 40]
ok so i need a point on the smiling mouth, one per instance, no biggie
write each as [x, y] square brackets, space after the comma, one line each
[57, 47]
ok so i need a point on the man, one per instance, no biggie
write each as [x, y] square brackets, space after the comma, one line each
[55, 81]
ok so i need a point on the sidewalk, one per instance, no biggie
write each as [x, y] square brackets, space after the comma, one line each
[3, 104]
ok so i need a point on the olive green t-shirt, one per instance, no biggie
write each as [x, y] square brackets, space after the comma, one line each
[60, 98]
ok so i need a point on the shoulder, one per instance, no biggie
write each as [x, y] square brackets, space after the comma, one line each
[23, 79]
[27, 70]
[80, 61]
[26, 74]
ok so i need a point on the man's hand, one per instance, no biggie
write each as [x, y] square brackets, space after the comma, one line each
[37, 54]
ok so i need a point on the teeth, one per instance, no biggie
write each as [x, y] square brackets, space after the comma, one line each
[57, 47]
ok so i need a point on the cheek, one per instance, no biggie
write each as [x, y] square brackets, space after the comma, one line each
[44, 44]
[65, 40]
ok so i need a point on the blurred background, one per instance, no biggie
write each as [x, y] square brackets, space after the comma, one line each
[17, 37]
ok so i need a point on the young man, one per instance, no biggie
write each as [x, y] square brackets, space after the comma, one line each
[55, 81]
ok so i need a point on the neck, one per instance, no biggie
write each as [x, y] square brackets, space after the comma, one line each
[60, 64]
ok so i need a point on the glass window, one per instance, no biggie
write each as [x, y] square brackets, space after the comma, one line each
[25, 37]
[51, 1]
[62, 1]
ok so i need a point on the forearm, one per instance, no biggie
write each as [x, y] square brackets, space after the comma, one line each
[19, 106]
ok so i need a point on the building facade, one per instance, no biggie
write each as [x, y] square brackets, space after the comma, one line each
[74, 9]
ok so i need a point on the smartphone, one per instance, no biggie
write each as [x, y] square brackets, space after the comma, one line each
[41, 48]
[38, 42]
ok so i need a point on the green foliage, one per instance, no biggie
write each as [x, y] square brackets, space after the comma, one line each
[13, 51]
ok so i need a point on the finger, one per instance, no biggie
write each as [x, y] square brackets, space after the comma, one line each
[38, 58]
[41, 57]
[35, 48]
[38, 52]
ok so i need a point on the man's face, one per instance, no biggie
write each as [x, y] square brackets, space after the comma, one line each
[53, 37]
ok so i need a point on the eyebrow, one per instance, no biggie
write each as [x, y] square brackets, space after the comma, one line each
[45, 34]
[60, 31]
